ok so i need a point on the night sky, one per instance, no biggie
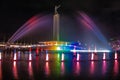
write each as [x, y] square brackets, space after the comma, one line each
[105, 13]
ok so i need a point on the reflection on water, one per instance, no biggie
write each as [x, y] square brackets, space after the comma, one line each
[0, 71]
[28, 65]
[92, 67]
[62, 68]
[30, 70]
[47, 69]
[104, 67]
[15, 72]
[116, 68]
[76, 68]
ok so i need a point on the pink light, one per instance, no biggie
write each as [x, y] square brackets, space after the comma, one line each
[62, 68]
[115, 55]
[92, 56]
[47, 69]
[104, 56]
[15, 73]
[62, 57]
[30, 56]
[104, 67]
[30, 69]
[92, 67]
[15, 56]
[78, 57]
[76, 68]
[47, 57]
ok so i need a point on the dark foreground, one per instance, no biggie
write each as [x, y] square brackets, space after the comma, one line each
[37, 68]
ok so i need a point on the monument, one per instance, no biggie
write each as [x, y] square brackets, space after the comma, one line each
[56, 21]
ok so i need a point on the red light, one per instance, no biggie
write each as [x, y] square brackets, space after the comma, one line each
[37, 51]
[116, 67]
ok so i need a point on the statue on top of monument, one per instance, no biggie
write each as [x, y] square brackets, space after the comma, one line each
[56, 8]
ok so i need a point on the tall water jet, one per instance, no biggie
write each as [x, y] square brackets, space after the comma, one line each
[56, 18]
[88, 23]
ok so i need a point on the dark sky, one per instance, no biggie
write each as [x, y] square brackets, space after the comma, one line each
[105, 13]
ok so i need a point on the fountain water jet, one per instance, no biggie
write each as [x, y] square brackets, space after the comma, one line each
[34, 22]
[86, 21]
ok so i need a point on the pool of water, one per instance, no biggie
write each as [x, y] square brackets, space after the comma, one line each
[56, 66]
